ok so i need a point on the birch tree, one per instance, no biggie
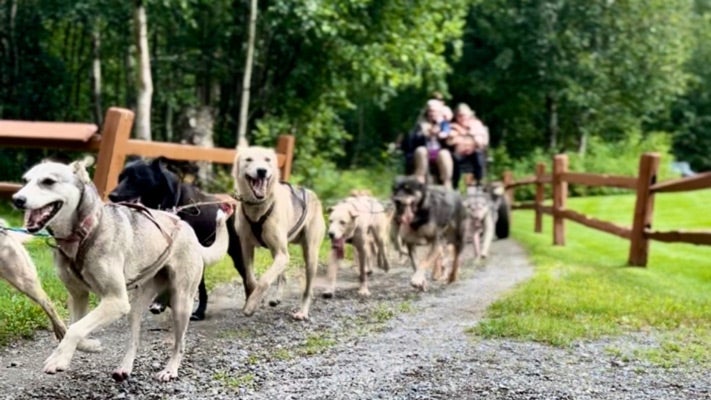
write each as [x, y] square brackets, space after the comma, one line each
[246, 82]
[145, 80]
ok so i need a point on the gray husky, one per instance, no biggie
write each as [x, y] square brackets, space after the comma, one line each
[482, 220]
[429, 215]
[115, 251]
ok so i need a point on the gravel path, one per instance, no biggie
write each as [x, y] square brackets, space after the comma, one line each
[398, 344]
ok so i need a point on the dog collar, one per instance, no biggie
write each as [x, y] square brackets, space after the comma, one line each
[241, 199]
[71, 244]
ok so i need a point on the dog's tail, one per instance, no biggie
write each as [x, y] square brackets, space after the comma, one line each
[217, 250]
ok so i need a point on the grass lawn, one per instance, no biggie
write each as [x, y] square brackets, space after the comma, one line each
[584, 290]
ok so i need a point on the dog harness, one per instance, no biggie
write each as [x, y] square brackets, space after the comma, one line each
[257, 227]
[73, 246]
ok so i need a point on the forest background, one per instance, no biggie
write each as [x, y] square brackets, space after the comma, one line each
[602, 80]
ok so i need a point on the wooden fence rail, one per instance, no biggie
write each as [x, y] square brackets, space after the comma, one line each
[645, 186]
[113, 145]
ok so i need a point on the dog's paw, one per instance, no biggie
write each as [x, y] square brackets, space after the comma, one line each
[197, 316]
[419, 283]
[166, 375]
[157, 308]
[254, 300]
[327, 295]
[364, 292]
[55, 363]
[120, 374]
[90, 346]
[300, 316]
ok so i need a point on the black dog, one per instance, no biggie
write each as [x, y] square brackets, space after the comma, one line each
[154, 186]
[429, 215]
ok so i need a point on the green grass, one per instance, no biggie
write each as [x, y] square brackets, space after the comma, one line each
[316, 343]
[584, 290]
[234, 381]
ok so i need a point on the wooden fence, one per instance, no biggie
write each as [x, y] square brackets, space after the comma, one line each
[113, 144]
[645, 186]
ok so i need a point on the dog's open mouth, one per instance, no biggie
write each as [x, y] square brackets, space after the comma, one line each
[338, 245]
[258, 186]
[38, 218]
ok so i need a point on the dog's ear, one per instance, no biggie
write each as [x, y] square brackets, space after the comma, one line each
[79, 168]
[171, 181]
[353, 214]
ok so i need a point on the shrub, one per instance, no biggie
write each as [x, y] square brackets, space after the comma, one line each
[602, 157]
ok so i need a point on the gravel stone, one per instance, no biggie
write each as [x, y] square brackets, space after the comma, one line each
[396, 344]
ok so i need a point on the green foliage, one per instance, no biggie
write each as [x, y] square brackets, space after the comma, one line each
[691, 114]
[618, 157]
[582, 290]
[595, 67]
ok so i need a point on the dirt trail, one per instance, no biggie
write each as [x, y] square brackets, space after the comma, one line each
[396, 344]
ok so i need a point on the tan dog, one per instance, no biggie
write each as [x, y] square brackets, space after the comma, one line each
[274, 214]
[17, 268]
[362, 221]
[124, 254]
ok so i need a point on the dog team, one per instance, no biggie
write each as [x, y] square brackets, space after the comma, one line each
[148, 247]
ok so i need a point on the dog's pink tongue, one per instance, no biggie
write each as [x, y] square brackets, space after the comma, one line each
[33, 218]
[259, 186]
[338, 246]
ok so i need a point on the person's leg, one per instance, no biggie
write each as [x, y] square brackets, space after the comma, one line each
[479, 159]
[445, 166]
[456, 171]
[421, 163]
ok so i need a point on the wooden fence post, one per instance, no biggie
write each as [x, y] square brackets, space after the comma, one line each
[643, 209]
[560, 195]
[285, 145]
[509, 192]
[112, 150]
[540, 171]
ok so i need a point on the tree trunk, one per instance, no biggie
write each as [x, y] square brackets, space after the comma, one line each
[96, 73]
[197, 125]
[244, 103]
[552, 113]
[168, 122]
[145, 81]
[358, 145]
[584, 133]
[583, 145]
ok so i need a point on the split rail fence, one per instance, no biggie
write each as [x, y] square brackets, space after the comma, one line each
[645, 186]
[113, 144]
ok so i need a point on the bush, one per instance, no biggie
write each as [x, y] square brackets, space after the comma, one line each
[615, 158]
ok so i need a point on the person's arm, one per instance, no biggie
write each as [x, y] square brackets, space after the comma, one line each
[481, 135]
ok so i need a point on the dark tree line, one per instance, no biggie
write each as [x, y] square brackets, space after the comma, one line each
[347, 77]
